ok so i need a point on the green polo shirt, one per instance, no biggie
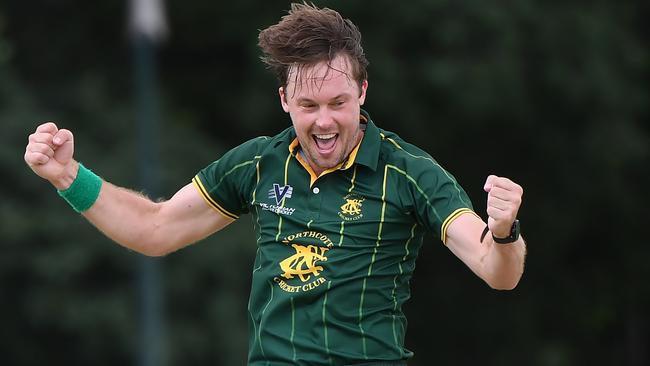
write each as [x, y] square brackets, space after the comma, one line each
[335, 252]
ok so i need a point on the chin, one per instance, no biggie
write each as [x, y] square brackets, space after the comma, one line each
[328, 163]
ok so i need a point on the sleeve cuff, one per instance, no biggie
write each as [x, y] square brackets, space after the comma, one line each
[210, 201]
[453, 216]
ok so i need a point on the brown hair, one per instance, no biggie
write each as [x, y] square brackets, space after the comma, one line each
[308, 35]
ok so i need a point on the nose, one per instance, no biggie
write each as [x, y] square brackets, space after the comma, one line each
[324, 120]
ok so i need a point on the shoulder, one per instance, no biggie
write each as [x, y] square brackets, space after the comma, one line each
[404, 155]
[417, 167]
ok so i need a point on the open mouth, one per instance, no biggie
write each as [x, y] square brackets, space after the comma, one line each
[325, 142]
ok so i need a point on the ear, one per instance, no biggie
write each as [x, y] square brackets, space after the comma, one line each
[364, 88]
[283, 99]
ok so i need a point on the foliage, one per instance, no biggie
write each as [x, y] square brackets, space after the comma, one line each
[551, 94]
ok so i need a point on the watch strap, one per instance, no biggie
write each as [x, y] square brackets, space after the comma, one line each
[513, 237]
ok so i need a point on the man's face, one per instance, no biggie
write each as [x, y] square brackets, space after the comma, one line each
[324, 107]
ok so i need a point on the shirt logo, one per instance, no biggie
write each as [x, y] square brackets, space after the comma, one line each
[303, 263]
[280, 193]
[302, 271]
[351, 209]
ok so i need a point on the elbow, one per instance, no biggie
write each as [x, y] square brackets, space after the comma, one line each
[504, 276]
[154, 244]
[155, 252]
[149, 248]
[149, 234]
[504, 284]
[160, 246]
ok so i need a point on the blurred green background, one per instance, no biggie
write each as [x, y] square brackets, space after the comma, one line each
[553, 94]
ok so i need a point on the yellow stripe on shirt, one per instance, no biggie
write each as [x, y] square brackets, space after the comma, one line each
[206, 196]
[453, 216]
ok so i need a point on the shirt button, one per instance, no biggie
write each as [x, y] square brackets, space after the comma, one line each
[316, 190]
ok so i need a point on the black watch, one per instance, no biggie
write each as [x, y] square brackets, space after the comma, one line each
[515, 230]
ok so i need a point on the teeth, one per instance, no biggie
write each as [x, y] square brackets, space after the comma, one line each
[325, 137]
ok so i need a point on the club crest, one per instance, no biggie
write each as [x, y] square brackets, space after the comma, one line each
[351, 209]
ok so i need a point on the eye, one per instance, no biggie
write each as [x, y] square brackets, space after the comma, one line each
[308, 106]
[338, 103]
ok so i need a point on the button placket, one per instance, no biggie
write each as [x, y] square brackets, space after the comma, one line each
[314, 203]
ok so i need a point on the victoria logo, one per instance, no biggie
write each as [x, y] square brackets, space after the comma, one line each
[280, 192]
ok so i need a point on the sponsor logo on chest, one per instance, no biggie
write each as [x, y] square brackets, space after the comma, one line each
[280, 194]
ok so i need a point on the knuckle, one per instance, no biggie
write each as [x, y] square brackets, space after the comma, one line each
[31, 159]
[39, 148]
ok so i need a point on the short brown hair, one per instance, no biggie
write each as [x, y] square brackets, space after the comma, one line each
[308, 35]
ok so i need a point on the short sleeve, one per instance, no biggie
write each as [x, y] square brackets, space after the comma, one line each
[227, 184]
[438, 198]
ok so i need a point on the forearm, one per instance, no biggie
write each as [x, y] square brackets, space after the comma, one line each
[128, 218]
[503, 264]
[136, 222]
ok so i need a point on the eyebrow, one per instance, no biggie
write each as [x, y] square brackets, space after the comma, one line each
[340, 96]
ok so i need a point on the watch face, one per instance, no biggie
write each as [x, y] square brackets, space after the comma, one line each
[515, 230]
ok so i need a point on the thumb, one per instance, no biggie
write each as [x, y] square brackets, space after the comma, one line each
[64, 145]
[62, 136]
[489, 182]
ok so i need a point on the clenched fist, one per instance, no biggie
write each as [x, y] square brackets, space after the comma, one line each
[503, 201]
[49, 154]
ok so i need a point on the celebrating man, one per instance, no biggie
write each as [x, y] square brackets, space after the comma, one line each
[340, 207]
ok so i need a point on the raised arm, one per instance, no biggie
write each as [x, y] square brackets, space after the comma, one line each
[500, 265]
[127, 217]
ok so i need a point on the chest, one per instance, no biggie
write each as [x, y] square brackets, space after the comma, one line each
[360, 201]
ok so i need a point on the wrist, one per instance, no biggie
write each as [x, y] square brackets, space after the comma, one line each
[84, 190]
[511, 237]
[501, 232]
[66, 179]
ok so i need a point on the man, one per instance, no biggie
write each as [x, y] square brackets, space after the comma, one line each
[340, 207]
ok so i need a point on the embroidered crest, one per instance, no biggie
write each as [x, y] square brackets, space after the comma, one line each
[351, 209]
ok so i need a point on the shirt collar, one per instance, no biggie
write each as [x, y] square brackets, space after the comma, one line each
[365, 153]
[368, 154]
